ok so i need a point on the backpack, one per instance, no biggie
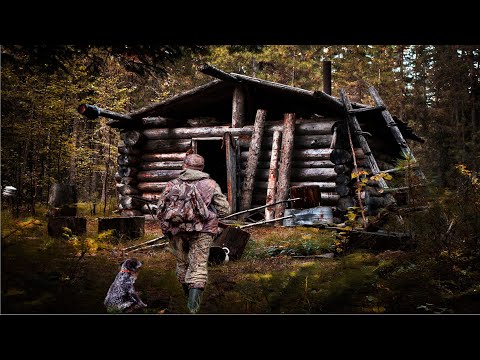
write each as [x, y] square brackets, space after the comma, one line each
[182, 208]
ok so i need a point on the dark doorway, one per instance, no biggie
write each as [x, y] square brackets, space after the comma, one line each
[215, 161]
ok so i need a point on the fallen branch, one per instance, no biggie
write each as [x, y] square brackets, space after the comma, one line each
[150, 246]
[265, 221]
[144, 243]
[322, 256]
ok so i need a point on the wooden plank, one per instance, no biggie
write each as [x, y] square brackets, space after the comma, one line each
[253, 153]
[272, 175]
[284, 170]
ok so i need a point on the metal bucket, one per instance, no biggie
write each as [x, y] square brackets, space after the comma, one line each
[312, 216]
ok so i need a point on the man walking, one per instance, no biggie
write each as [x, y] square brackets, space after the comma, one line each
[188, 211]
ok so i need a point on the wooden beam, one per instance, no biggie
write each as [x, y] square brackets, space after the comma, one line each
[238, 107]
[231, 160]
[366, 109]
[252, 162]
[216, 73]
[272, 175]
[284, 171]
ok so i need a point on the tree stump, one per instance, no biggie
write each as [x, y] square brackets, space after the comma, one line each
[234, 239]
[56, 225]
[124, 228]
[63, 200]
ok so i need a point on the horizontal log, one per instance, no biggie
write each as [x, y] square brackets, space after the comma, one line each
[300, 142]
[162, 165]
[159, 121]
[164, 157]
[300, 174]
[324, 186]
[126, 189]
[151, 196]
[326, 198]
[157, 175]
[302, 127]
[128, 150]
[125, 171]
[301, 154]
[127, 160]
[172, 145]
[151, 186]
[296, 164]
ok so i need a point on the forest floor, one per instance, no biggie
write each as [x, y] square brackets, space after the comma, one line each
[45, 275]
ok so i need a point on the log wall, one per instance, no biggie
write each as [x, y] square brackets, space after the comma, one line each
[150, 157]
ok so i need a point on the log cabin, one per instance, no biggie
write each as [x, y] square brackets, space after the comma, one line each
[259, 139]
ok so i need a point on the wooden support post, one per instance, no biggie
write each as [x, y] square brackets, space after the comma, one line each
[284, 171]
[252, 162]
[238, 107]
[231, 157]
[327, 77]
[272, 175]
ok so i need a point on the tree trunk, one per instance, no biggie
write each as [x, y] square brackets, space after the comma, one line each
[272, 175]
[285, 163]
[253, 154]
[238, 107]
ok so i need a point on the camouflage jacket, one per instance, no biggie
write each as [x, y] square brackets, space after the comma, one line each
[211, 194]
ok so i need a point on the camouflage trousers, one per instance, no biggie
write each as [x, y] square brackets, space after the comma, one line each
[191, 251]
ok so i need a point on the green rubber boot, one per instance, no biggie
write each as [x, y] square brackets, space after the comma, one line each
[194, 300]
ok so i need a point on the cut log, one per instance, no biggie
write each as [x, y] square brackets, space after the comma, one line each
[126, 189]
[297, 164]
[164, 157]
[124, 228]
[284, 169]
[340, 156]
[342, 179]
[128, 150]
[302, 127]
[342, 169]
[132, 137]
[151, 196]
[344, 203]
[231, 161]
[63, 200]
[125, 171]
[151, 186]
[148, 208]
[302, 154]
[301, 141]
[129, 203]
[56, 225]
[127, 180]
[157, 175]
[238, 107]
[170, 145]
[324, 186]
[342, 190]
[297, 174]
[309, 196]
[272, 175]
[162, 165]
[127, 160]
[234, 239]
[253, 154]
